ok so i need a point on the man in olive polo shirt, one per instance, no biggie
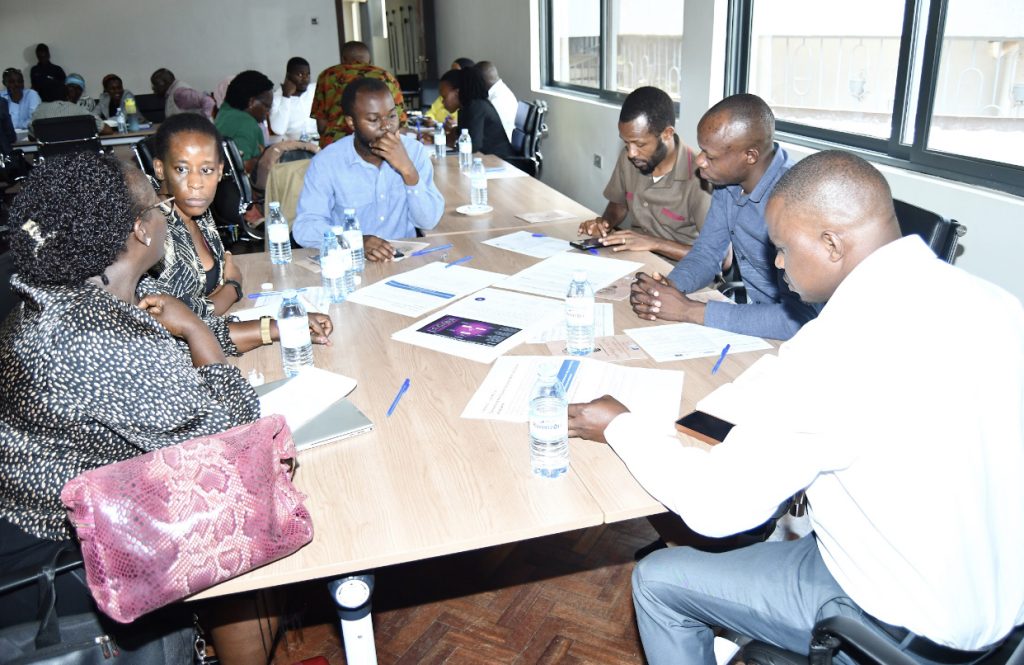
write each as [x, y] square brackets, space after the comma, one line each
[654, 181]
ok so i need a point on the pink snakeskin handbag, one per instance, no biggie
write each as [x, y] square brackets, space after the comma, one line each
[172, 522]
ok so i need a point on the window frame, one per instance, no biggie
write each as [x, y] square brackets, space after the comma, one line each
[892, 151]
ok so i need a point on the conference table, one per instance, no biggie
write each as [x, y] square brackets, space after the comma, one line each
[427, 482]
[28, 145]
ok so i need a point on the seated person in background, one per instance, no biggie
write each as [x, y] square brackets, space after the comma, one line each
[194, 101]
[44, 70]
[21, 103]
[54, 105]
[437, 112]
[112, 98]
[500, 96]
[889, 469]
[654, 181]
[330, 86]
[388, 178]
[195, 268]
[74, 86]
[8, 137]
[463, 90]
[293, 102]
[246, 105]
[164, 84]
[92, 373]
[740, 158]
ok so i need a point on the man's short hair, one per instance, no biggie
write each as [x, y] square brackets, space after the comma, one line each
[360, 85]
[163, 74]
[355, 51]
[51, 90]
[748, 113]
[846, 177]
[651, 103]
[295, 63]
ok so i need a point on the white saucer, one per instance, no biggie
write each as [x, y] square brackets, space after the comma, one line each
[472, 210]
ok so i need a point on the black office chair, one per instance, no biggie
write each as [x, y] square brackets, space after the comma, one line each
[58, 136]
[410, 87]
[151, 107]
[143, 151]
[939, 233]
[233, 198]
[429, 91]
[527, 133]
[8, 298]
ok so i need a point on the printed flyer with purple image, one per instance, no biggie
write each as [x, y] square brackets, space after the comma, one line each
[469, 330]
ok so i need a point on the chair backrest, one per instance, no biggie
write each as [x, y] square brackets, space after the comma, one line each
[8, 298]
[429, 91]
[234, 192]
[143, 151]
[939, 233]
[74, 133]
[152, 107]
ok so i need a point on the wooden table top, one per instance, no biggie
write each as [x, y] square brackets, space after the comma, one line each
[426, 482]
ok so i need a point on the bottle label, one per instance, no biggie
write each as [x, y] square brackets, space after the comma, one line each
[579, 311]
[332, 266]
[354, 237]
[294, 332]
[550, 429]
[277, 232]
[465, 148]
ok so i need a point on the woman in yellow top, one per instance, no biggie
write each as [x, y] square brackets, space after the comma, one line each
[438, 113]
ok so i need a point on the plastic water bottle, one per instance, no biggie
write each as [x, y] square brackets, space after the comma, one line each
[293, 327]
[440, 142]
[304, 136]
[335, 268]
[579, 316]
[465, 151]
[278, 235]
[478, 180]
[131, 113]
[549, 424]
[354, 236]
[122, 123]
[347, 260]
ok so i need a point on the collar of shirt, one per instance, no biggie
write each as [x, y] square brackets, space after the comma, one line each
[767, 182]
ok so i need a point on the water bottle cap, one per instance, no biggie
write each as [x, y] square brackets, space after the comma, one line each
[290, 294]
[478, 160]
[275, 205]
[579, 276]
[465, 132]
[350, 211]
[547, 369]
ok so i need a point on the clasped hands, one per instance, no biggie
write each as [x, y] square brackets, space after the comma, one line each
[653, 297]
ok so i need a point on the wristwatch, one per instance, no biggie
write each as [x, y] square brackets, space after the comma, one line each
[238, 288]
[265, 330]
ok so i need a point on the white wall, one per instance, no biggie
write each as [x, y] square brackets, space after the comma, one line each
[201, 42]
[507, 33]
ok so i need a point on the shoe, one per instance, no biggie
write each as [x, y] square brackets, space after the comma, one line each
[653, 546]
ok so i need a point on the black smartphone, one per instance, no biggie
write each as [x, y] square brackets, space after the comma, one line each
[704, 427]
[398, 254]
[586, 243]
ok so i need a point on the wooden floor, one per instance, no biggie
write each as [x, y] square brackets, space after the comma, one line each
[559, 599]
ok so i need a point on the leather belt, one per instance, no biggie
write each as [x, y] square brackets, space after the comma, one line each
[925, 648]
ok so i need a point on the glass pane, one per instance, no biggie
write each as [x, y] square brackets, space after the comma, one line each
[576, 42]
[648, 43]
[828, 64]
[979, 93]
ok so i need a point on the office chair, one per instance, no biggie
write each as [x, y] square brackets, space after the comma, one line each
[151, 107]
[233, 197]
[58, 136]
[8, 298]
[527, 133]
[429, 91]
[939, 233]
[143, 151]
[409, 84]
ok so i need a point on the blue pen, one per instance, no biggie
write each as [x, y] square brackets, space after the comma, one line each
[720, 359]
[538, 235]
[428, 250]
[254, 296]
[401, 391]
[458, 261]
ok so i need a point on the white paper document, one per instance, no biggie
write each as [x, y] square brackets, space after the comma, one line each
[552, 276]
[554, 330]
[505, 393]
[546, 216]
[482, 326]
[306, 395]
[428, 287]
[499, 172]
[313, 298]
[536, 245]
[682, 341]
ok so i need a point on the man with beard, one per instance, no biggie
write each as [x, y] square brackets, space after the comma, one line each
[386, 177]
[293, 100]
[740, 158]
[654, 182]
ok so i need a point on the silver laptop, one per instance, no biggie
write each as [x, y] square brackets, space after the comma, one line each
[340, 421]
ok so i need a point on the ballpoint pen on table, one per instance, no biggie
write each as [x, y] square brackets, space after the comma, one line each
[718, 364]
[458, 261]
[401, 391]
[428, 250]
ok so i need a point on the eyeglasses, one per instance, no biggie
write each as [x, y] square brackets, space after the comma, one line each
[164, 207]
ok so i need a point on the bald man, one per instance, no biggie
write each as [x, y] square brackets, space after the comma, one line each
[915, 499]
[330, 85]
[740, 158]
[500, 95]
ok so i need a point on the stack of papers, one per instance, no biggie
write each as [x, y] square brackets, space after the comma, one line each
[545, 216]
[551, 277]
[505, 393]
[536, 245]
[428, 287]
[482, 327]
[683, 341]
[313, 298]
[306, 395]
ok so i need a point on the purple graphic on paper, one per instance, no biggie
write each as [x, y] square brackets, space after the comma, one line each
[469, 330]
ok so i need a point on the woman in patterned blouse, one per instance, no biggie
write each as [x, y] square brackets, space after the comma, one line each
[195, 268]
[92, 373]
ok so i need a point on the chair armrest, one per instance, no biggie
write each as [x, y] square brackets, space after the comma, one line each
[67, 560]
[857, 636]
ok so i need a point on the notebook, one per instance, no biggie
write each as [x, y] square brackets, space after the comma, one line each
[341, 420]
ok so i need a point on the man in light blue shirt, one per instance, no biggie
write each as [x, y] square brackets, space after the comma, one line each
[21, 103]
[386, 177]
[741, 159]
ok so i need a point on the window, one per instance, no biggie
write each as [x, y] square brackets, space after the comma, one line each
[610, 47]
[934, 85]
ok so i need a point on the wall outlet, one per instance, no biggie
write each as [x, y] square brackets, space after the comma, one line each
[597, 160]
[314, 21]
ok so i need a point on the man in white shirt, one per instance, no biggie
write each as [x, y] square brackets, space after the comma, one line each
[900, 413]
[293, 101]
[500, 95]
